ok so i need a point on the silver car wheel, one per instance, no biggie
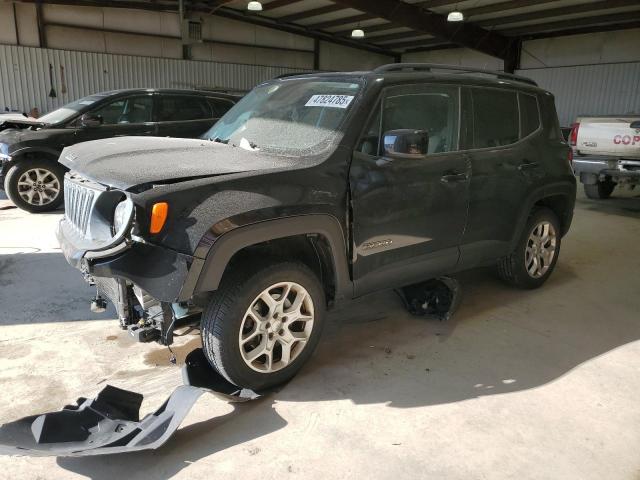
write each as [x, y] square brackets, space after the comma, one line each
[276, 327]
[541, 249]
[38, 186]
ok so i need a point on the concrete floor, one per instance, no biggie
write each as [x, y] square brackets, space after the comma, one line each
[519, 384]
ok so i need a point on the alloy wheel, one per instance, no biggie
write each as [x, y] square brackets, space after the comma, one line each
[276, 327]
[541, 249]
[38, 186]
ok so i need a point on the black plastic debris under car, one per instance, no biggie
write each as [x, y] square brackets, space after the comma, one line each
[110, 423]
[438, 298]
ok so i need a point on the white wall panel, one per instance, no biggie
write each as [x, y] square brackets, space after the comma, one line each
[27, 24]
[591, 48]
[7, 26]
[456, 56]
[591, 89]
[338, 57]
[24, 75]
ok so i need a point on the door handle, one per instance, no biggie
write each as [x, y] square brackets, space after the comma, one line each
[527, 166]
[453, 177]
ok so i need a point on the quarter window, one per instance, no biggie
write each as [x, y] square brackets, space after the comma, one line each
[495, 118]
[529, 115]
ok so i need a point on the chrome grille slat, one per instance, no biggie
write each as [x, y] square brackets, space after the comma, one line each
[77, 204]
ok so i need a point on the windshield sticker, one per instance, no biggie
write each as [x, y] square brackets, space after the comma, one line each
[87, 102]
[335, 101]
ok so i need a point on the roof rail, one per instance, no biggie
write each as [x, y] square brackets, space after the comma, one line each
[428, 67]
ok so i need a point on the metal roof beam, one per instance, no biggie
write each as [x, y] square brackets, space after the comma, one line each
[314, 12]
[558, 12]
[575, 23]
[414, 17]
[277, 4]
[341, 21]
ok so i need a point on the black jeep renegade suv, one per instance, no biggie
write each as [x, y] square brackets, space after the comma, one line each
[313, 190]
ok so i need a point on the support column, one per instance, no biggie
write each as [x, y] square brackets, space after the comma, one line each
[316, 54]
[42, 36]
[512, 58]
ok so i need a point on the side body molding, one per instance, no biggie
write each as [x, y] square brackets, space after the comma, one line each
[235, 240]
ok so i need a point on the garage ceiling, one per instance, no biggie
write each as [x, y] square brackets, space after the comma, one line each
[392, 27]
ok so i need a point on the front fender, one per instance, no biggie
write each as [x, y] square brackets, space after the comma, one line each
[206, 275]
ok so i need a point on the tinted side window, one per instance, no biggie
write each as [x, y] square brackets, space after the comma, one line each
[126, 110]
[529, 115]
[495, 118]
[434, 109]
[219, 106]
[174, 108]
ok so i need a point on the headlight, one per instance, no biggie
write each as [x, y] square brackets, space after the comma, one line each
[122, 215]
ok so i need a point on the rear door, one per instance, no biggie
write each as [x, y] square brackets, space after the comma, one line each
[183, 116]
[409, 213]
[124, 116]
[505, 165]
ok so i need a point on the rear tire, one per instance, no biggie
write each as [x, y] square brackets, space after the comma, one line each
[536, 253]
[35, 185]
[238, 324]
[600, 190]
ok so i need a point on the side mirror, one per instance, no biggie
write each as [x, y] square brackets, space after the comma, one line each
[406, 143]
[635, 124]
[90, 120]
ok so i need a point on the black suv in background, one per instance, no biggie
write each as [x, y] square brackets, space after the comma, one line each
[29, 150]
[314, 190]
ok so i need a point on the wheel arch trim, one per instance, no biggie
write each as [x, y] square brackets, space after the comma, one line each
[565, 189]
[207, 273]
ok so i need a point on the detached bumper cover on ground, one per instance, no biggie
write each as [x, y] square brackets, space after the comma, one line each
[110, 423]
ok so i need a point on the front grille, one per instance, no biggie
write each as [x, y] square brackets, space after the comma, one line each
[78, 201]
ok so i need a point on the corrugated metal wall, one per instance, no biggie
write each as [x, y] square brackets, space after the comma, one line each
[25, 83]
[591, 89]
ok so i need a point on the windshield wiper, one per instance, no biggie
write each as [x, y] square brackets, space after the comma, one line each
[219, 140]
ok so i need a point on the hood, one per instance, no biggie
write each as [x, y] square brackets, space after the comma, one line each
[6, 123]
[126, 162]
[15, 132]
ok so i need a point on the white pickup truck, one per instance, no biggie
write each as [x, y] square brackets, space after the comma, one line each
[606, 153]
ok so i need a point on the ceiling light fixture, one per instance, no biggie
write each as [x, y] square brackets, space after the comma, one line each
[357, 33]
[455, 16]
[254, 6]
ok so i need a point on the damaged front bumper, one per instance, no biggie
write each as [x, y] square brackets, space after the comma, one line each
[150, 286]
[110, 423]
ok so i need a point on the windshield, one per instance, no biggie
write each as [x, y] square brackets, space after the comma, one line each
[289, 117]
[63, 114]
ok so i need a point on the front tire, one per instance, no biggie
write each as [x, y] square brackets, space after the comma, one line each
[35, 185]
[536, 254]
[261, 326]
[600, 190]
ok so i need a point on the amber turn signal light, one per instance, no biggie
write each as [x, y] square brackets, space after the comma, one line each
[158, 216]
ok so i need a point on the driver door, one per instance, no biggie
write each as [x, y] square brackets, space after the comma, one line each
[124, 116]
[409, 212]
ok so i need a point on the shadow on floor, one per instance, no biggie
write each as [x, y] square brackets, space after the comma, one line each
[42, 288]
[373, 352]
[623, 202]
